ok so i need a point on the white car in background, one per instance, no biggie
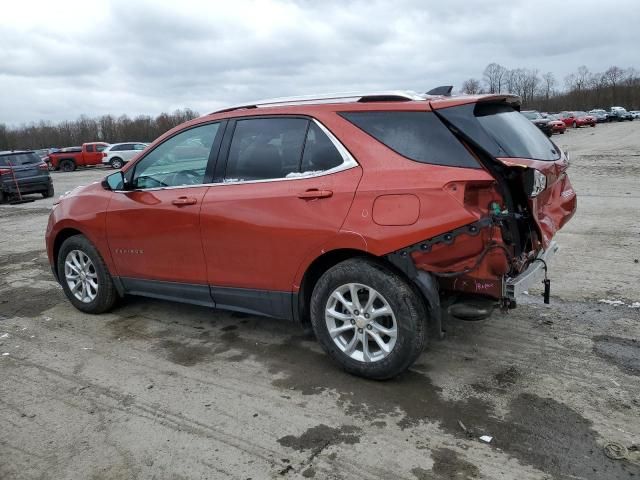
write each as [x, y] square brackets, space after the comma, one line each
[117, 154]
[635, 113]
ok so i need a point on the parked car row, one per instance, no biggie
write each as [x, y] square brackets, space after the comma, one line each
[551, 123]
[94, 153]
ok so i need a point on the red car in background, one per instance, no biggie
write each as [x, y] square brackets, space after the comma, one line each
[577, 119]
[557, 125]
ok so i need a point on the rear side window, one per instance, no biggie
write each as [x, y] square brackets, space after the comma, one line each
[418, 136]
[516, 136]
[89, 148]
[266, 148]
[18, 159]
[320, 153]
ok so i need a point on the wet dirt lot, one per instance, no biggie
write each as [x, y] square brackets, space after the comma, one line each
[161, 390]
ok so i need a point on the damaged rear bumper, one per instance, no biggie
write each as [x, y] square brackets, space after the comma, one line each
[514, 287]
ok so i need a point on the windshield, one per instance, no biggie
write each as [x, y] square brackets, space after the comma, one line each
[516, 136]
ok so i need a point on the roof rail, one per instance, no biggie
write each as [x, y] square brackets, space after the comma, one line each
[344, 97]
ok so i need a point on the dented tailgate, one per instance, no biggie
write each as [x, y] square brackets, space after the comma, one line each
[555, 205]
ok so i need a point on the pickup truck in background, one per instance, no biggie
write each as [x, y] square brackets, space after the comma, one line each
[68, 160]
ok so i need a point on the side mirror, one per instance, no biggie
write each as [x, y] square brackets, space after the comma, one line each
[115, 181]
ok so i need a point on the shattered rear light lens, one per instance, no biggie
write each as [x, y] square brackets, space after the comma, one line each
[536, 182]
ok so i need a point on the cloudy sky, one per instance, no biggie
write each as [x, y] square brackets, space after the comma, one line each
[63, 58]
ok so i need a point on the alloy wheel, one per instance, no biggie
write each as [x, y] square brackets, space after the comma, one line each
[361, 322]
[81, 276]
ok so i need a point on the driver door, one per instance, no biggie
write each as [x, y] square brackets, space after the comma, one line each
[153, 230]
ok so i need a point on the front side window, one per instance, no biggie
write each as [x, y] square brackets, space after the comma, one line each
[266, 148]
[180, 160]
[89, 148]
[139, 146]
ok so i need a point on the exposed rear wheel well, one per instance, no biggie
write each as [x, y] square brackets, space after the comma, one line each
[60, 238]
[328, 260]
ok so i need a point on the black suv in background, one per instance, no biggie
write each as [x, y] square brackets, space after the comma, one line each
[539, 121]
[23, 171]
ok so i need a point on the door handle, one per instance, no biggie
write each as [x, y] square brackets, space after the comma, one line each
[315, 193]
[182, 201]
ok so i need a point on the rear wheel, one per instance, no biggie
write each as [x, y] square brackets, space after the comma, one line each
[49, 193]
[84, 276]
[368, 319]
[67, 165]
[116, 163]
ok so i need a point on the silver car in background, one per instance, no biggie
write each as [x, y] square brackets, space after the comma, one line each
[117, 154]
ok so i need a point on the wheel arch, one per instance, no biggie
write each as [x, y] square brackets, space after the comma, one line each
[57, 243]
[424, 285]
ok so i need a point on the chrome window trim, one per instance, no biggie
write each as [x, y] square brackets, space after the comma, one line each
[348, 162]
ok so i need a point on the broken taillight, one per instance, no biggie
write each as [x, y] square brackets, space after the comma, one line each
[535, 182]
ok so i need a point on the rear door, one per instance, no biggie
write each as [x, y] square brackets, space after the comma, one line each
[285, 188]
[93, 153]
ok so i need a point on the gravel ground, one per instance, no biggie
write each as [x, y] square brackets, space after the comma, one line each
[161, 390]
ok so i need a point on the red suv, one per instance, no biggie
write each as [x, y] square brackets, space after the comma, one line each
[367, 215]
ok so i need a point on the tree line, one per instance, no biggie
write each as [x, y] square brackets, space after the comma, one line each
[580, 90]
[106, 128]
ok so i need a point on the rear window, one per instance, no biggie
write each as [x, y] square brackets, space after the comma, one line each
[418, 136]
[18, 159]
[516, 136]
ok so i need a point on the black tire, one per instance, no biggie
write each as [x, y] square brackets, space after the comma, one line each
[561, 132]
[107, 294]
[49, 193]
[3, 197]
[407, 306]
[67, 165]
[116, 163]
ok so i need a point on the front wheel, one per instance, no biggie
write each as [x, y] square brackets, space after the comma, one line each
[84, 276]
[116, 163]
[368, 319]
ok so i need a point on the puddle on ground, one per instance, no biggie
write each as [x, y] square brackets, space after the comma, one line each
[321, 436]
[447, 464]
[624, 353]
[29, 301]
[186, 354]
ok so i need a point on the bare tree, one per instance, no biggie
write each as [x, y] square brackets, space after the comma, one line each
[471, 86]
[549, 82]
[494, 77]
